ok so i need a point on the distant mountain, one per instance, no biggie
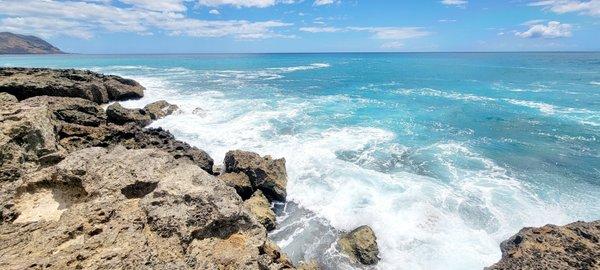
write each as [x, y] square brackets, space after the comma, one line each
[21, 44]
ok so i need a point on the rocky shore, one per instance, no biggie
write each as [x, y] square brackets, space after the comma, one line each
[82, 187]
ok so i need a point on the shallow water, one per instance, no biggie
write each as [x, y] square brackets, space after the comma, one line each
[443, 155]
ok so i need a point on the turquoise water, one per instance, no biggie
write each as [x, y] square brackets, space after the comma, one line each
[444, 155]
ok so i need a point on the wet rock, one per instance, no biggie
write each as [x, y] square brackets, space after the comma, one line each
[160, 109]
[199, 112]
[265, 173]
[240, 182]
[119, 115]
[30, 82]
[260, 207]
[573, 246]
[118, 208]
[361, 245]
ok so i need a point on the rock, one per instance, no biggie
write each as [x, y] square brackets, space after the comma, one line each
[361, 245]
[308, 265]
[240, 182]
[162, 139]
[21, 44]
[24, 83]
[119, 115]
[160, 109]
[573, 246]
[7, 98]
[265, 173]
[260, 207]
[119, 208]
[199, 112]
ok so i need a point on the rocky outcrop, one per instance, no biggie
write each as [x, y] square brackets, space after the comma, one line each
[573, 246]
[259, 206]
[30, 82]
[265, 173]
[308, 265]
[120, 115]
[85, 188]
[130, 209]
[360, 245]
[160, 109]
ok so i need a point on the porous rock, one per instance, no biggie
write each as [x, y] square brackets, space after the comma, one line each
[119, 208]
[160, 109]
[121, 115]
[30, 82]
[239, 181]
[260, 207]
[265, 173]
[573, 246]
[360, 245]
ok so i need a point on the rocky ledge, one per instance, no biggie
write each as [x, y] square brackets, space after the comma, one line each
[86, 188]
[573, 246]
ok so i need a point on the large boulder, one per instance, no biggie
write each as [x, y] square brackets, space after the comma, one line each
[120, 115]
[160, 109]
[118, 208]
[573, 246]
[360, 245]
[265, 173]
[30, 82]
[260, 207]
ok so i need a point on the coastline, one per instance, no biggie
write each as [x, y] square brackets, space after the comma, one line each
[45, 158]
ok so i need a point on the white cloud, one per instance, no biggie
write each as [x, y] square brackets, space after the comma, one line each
[325, 2]
[324, 29]
[162, 5]
[214, 12]
[392, 45]
[82, 19]
[591, 7]
[553, 29]
[244, 3]
[456, 3]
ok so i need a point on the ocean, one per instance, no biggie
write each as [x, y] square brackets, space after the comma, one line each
[444, 155]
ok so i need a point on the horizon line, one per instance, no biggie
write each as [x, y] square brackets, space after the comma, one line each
[324, 52]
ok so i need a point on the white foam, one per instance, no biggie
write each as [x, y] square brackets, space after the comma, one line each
[437, 93]
[595, 83]
[301, 68]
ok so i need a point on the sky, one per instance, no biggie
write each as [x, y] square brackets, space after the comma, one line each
[261, 26]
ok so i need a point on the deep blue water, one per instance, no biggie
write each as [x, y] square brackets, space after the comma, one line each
[444, 154]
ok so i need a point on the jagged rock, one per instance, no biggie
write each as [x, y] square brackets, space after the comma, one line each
[120, 115]
[160, 109]
[573, 246]
[361, 245]
[30, 82]
[308, 265]
[117, 208]
[266, 173]
[162, 139]
[260, 207]
[240, 182]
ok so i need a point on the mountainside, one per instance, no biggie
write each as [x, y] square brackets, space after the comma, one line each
[21, 44]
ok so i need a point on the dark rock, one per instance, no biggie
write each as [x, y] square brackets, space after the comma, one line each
[361, 245]
[260, 208]
[30, 82]
[160, 109]
[119, 115]
[240, 182]
[573, 246]
[265, 173]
